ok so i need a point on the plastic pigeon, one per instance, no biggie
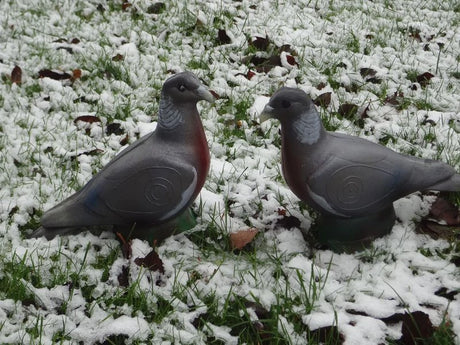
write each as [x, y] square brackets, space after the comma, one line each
[147, 189]
[350, 181]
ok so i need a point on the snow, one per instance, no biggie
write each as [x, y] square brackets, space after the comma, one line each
[332, 41]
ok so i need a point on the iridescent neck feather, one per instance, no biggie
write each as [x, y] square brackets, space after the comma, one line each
[169, 117]
[307, 128]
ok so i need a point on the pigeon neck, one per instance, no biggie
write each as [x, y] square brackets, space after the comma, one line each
[169, 115]
[307, 128]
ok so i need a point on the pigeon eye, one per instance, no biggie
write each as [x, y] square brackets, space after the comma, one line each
[285, 104]
[181, 87]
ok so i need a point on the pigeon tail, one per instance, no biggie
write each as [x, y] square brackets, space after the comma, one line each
[50, 233]
[452, 184]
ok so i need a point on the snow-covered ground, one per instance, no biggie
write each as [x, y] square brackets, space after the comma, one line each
[398, 62]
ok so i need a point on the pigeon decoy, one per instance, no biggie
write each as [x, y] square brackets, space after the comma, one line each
[350, 181]
[146, 190]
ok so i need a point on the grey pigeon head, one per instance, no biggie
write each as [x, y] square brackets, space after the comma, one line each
[297, 114]
[185, 87]
[286, 104]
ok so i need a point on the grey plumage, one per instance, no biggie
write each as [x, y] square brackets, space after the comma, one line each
[154, 180]
[344, 176]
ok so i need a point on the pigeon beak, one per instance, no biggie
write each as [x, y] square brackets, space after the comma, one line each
[204, 94]
[266, 114]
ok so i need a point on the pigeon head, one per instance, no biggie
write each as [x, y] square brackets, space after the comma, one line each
[179, 96]
[286, 104]
[185, 87]
[297, 114]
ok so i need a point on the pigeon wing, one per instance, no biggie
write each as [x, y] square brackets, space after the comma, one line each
[142, 186]
[348, 188]
[360, 176]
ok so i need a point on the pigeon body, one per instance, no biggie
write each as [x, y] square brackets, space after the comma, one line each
[153, 181]
[343, 176]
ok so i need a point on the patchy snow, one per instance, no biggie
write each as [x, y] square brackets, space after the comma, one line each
[124, 55]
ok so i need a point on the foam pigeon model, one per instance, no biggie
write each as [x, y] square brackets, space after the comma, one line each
[153, 182]
[350, 181]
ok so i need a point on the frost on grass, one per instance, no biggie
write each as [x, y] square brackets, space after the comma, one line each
[394, 66]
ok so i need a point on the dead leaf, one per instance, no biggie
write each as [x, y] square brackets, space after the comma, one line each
[241, 238]
[16, 75]
[288, 222]
[281, 212]
[87, 119]
[364, 114]
[264, 65]
[222, 37]
[260, 43]
[123, 277]
[444, 210]
[443, 292]
[114, 128]
[348, 110]
[416, 328]
[321, 86]
[395, 99]
[118, 57]
[126, 5]
[152, 261]
[46, 73]
[156, 8]
[323, 100]
[424, 78]
[125, 140]
[93, 152]
[250, 74]
[367, 72]
[126, 248]
[215, 94]
[75, 41]
[76, 74]
[291, 60]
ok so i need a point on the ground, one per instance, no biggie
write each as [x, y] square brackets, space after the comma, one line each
[81, 80]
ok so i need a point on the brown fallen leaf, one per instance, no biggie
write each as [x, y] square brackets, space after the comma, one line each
[16, 75]
[87, 118]
[93, 152]
[241, 238]
[118, 57]
[424, 78]
[114, 128]
[215, 94]
[323, 100]
[367, 72]
[288, 222]
[436, 230]
[222, 37]
[156, 8]
[76, 74]
[321, 85]
[123, 277]
[444, 210]
[126, 248]
[125, 140]
[291, 60]
[416, 328]
[152, 261]
[260, 43]
[348, 110]
[47, 73]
